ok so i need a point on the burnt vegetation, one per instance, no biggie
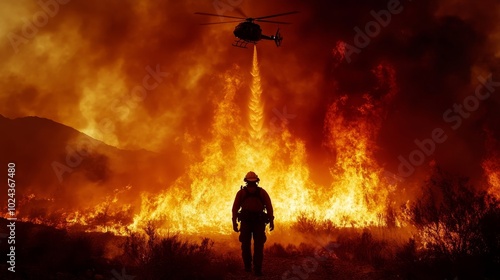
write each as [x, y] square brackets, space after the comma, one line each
[154, 257]
[49, 253]
[452, 231]
[458, 228]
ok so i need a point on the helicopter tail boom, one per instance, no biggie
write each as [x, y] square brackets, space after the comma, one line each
[277, 38]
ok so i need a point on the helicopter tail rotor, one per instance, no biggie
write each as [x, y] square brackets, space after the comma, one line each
[277, 38]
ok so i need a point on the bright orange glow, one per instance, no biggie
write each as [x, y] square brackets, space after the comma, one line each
[491, 167]
[235, 148]
[200, 200]
[154, 117]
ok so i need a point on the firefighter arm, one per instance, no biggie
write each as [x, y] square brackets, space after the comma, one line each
[269, 206]
[236, 206]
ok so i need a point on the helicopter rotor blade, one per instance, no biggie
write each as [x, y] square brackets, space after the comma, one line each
[210, 23]
[272, 21]
[214, 15]
[278, 15]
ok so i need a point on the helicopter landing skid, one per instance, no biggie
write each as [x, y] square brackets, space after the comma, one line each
[242, 43]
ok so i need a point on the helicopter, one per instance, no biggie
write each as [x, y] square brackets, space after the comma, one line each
[250, 32]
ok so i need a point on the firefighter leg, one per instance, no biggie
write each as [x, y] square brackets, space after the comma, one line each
[246, 242]
[259, 236]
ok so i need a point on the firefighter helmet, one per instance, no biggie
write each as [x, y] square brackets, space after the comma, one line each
[251, 177]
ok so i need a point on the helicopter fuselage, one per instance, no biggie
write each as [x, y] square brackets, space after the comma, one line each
[248, 31]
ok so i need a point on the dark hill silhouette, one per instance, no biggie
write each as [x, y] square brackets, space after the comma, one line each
[58, 163]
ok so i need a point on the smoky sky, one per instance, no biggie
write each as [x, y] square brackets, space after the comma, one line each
[82, 65]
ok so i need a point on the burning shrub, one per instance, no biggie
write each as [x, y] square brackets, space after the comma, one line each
[352, 244]
[306, 224]
[456, 223]
[451, 217]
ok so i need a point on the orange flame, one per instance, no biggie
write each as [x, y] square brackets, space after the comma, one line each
[201, 199]
[234, 150]
[491, 166]
[357, 195]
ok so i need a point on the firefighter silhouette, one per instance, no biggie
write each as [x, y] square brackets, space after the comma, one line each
[252, 207]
